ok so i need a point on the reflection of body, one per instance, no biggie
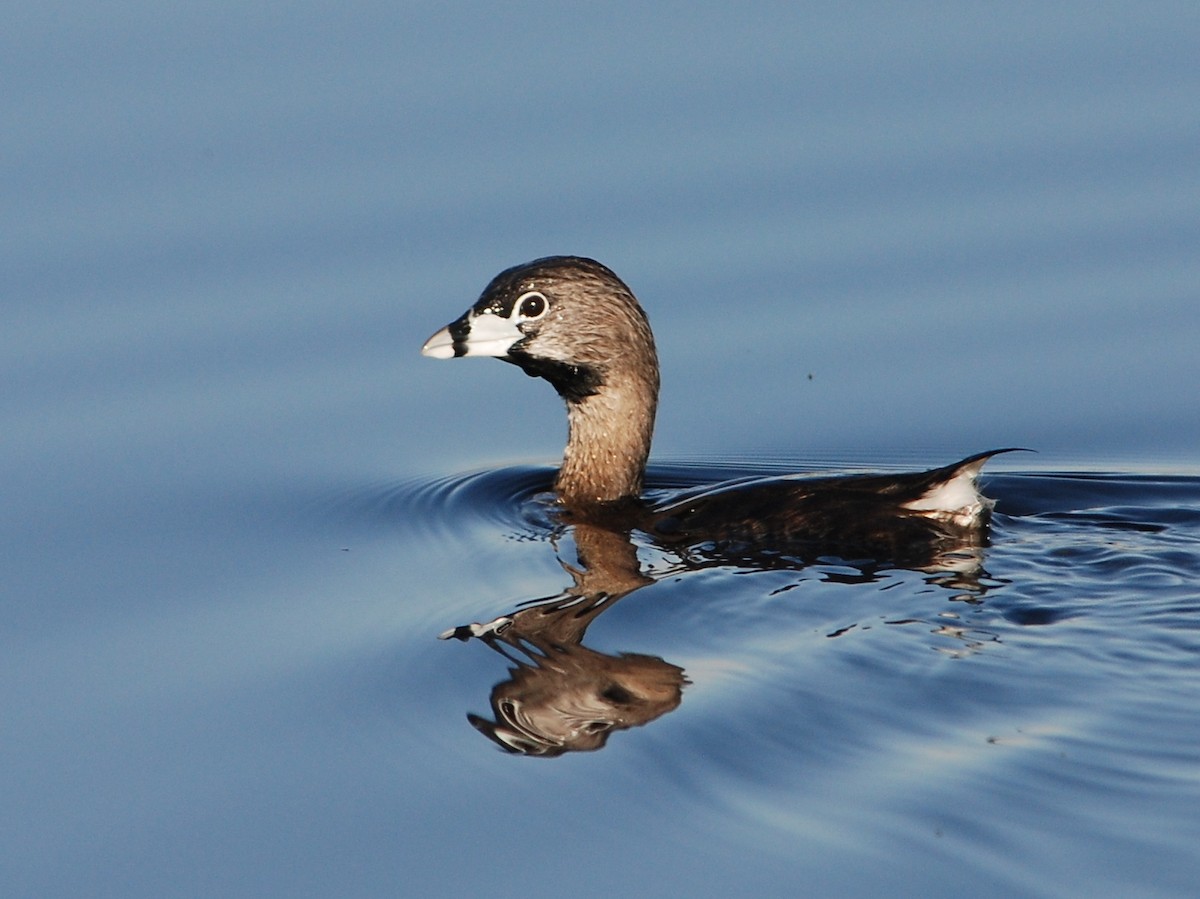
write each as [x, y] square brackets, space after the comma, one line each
[561, 696]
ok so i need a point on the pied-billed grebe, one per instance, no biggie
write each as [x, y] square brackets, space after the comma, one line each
[573, 322]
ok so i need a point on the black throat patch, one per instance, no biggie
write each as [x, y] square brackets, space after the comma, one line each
[574, 383]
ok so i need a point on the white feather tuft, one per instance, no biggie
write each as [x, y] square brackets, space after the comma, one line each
[957, 500]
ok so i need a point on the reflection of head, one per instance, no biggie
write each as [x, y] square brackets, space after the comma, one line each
[570, 698]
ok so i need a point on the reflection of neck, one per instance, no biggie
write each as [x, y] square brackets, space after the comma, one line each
[609, 563]
[608, 441]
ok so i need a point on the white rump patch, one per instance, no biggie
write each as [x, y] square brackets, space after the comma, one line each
[956, 500]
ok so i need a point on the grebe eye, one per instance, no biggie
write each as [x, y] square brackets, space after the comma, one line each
[532, 305]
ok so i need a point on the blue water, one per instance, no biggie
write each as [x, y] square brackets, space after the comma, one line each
[239, 508]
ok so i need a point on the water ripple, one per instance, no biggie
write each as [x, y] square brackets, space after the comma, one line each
[515, 500]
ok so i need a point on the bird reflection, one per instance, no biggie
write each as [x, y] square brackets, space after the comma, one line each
[561, 696]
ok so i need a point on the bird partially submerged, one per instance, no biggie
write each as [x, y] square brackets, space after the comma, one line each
[573, 322]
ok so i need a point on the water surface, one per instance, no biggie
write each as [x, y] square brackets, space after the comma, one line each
[239, 508]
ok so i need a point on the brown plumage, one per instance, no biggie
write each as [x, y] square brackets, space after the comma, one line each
[574, 323]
